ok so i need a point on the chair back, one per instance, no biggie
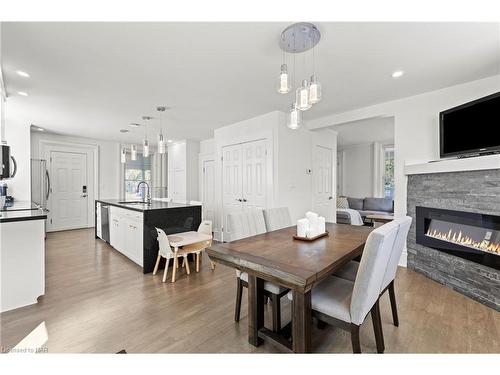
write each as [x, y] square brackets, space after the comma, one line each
[371, 270]
[244, 224]
[399, 245]
[205, 227]
[164, 244]
[277, 218]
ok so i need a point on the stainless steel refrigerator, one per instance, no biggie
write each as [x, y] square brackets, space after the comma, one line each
[40, 184]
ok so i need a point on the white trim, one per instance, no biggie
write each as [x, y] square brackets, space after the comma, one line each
[46, 146]
[454, 165]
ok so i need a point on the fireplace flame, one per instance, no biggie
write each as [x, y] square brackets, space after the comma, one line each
[464, 240]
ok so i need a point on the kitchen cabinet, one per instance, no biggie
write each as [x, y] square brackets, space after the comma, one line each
[126, 233]
[183, 170]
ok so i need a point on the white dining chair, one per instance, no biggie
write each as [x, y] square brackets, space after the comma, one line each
[198, 248]
[277, 218]
[350, 270]
[165, 251]
[346, 304]
[247, 224]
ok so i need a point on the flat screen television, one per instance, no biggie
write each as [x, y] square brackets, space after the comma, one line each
[471, 129]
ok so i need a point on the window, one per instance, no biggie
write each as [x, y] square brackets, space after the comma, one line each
[135, 172]
[388, 178]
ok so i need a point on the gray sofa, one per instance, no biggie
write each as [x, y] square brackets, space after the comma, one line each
[365, 207]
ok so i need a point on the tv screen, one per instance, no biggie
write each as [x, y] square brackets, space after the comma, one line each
[471, 128]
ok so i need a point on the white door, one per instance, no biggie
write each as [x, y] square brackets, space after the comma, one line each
[232, 197]
[254, 174]
[322, 177]
[208, 197]
[68, 201]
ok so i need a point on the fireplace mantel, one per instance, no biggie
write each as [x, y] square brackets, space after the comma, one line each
[454, 165]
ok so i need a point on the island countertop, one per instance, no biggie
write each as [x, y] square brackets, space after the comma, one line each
[139, 206]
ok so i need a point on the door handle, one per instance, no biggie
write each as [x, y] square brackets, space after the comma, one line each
[48, 185]
[330, 198]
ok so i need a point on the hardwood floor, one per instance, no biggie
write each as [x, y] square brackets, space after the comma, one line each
[98, 301]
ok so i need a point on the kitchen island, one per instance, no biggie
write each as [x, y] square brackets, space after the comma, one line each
[129, 226]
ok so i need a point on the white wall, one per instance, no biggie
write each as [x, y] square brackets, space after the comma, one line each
[416, 124]
[109, 160]
[358, 170]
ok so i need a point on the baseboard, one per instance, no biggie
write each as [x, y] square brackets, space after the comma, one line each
[403, 259]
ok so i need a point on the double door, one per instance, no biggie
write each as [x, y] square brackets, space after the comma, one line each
[244, 179]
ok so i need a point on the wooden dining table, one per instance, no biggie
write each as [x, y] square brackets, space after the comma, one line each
[298, 265]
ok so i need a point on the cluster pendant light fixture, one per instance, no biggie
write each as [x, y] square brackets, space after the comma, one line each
[145, 144]
[298, 39]
[162, 146]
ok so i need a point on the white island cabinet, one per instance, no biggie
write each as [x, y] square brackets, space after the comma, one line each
[126, 233]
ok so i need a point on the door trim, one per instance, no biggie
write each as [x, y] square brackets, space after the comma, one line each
[47, 146]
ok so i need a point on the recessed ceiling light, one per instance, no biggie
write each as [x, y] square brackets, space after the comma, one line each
[22, 74]
[22, 93]
[124, 130]
[397, 74]
[134, 125]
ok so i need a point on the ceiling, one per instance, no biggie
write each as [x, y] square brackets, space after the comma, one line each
[92, 79]
[376, 129]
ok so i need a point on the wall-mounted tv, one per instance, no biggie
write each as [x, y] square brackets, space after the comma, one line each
[471, 129]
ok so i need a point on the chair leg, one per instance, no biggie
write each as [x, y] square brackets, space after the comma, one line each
[157, 264]
[356, 346]
[198, 262]
[394, 306]
[174, 267]
[166, 270]
[276, 306]
[239, 291]
[186, 263]
[377, 327]
[212, 265]
[183, 262]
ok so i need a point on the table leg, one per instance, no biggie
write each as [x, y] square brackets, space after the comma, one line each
[176, 264]
[301, 322]
[255, 309]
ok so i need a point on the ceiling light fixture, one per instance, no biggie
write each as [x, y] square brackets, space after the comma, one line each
[145, 144]
[22, 74]
[22, 93]
[162, 147]
[134, 125]
[133, 152]
[398, 74]
[123, 155]
[294, 118]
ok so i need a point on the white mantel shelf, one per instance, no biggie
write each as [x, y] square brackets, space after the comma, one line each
[455, 165]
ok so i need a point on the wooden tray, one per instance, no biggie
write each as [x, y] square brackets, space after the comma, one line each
[295, 237]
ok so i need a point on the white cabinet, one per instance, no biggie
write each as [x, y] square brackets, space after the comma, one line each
[183, 170]
[126, 233]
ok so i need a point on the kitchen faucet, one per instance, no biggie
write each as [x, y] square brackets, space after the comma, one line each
[147, 198]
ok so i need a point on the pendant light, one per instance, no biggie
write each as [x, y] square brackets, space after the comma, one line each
[294, 120]
[145, 144]
[283, 86]
[162, 146]
[123, 155]
[302, 96]
[314, 85]
[133, 152]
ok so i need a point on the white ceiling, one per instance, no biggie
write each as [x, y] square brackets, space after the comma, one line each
[92, 79]
[377, 129]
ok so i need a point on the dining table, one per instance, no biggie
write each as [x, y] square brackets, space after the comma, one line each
[291, 263]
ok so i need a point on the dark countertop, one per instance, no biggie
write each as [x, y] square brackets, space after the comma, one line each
[155, 205]
[22, 215]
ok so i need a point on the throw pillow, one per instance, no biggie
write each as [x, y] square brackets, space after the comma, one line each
[342, 202]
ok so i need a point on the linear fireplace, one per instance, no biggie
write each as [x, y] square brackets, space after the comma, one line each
[472, 236]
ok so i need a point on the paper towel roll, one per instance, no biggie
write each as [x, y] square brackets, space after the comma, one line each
[302, 227]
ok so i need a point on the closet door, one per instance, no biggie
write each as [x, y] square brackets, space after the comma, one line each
[232, 199]
[254, 182]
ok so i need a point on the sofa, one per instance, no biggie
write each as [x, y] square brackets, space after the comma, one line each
[365, 207]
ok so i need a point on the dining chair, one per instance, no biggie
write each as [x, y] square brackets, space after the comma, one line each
[277, 218]
[165, 251]
[350, 270]
[246, 224]
[346, 304]
[198, 248]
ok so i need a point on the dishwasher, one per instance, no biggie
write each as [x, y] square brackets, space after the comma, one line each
[105, 223]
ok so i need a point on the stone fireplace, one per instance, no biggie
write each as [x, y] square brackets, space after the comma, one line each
[455, 234]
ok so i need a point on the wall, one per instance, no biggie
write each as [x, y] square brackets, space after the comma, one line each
[109, 160]
[358, 170]
[416, 126]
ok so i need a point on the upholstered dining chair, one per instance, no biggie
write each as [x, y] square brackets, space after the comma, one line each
[346, 304]
[277, 218]
[246, 224]
[165, 251]
[350, 270]
[198, 248]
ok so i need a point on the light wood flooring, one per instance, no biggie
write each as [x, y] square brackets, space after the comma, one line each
[98, 301]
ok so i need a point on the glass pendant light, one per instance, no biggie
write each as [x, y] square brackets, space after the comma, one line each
[162, 146]
[145, 144]
[302, 96]
[133, 152]
[283, 80]
[314, 90]
[123, 155]
[145, 148]
[294, 118]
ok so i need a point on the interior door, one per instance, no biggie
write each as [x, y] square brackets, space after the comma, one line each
[232, 199]
[254, 174]
[322, 173]
[68, 201]
[208, 198]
